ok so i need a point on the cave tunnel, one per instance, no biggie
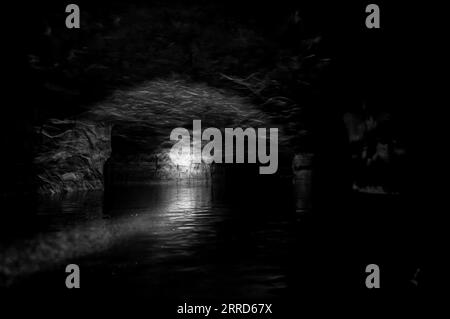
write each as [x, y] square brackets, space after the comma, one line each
[139, 157]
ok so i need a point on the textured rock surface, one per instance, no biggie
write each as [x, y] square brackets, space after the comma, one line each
[378, 153]
[157, 169]
[144, 117]
[132, 127]
[71, 155]
[302, 168]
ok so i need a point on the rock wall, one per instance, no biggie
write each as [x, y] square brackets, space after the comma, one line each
[302, 168]
[144, 117]
[159, 168]
[378, 152]
[128, 135]
[71, 155]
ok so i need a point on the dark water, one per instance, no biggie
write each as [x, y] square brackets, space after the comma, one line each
[205, 242]
[166, 241]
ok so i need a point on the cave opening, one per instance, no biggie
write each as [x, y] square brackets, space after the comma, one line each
[140, 157]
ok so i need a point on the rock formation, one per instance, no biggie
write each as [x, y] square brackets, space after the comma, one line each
[71, 155]
[132, 129]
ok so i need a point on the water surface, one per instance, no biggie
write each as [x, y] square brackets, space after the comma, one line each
[168, 241]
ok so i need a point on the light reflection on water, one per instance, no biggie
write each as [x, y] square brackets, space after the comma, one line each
[164, 240]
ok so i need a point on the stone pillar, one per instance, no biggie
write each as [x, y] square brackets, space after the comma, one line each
[303, 174]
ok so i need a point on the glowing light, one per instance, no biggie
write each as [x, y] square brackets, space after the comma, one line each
[181, 159]
[185, 157]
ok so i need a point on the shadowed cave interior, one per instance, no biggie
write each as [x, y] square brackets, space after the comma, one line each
[89, 180]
